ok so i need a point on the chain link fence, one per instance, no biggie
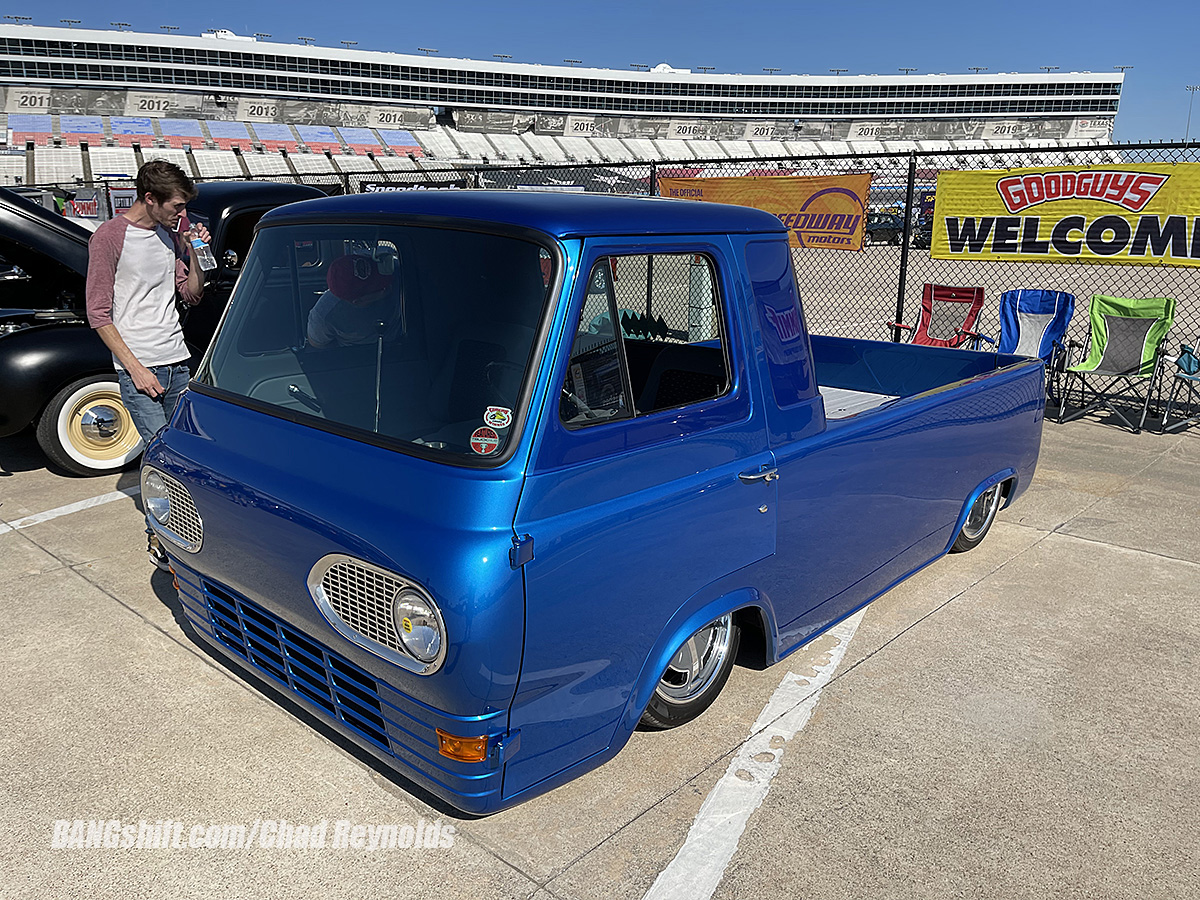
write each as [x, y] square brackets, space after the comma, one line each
[852, 294]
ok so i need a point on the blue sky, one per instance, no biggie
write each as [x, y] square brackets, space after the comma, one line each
[1161, 41]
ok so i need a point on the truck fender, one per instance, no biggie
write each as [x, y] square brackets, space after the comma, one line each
[38, 362]
[1009, 474]
[700, 609]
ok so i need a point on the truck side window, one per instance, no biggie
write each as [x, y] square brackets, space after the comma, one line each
[650, 336]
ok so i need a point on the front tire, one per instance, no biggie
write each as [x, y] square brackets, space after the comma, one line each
[87, 430]
[979, 519]
[695, 675]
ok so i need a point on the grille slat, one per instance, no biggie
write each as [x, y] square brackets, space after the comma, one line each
[363, 600]
[184, 521]
[311, 671]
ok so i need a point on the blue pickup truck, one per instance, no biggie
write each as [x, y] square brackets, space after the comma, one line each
[486, 479]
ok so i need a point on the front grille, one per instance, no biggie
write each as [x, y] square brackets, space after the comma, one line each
[312, 671]
[362, 598]
[184, 521]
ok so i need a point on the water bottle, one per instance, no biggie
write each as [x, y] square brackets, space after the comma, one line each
[204, 255]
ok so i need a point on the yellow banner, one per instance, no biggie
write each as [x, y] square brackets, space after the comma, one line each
[1138, 213]
[825, 211]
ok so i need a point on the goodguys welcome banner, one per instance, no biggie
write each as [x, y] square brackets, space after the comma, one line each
[1141, 214]
[820, 211]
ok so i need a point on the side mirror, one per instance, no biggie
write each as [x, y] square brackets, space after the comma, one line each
[230, 259]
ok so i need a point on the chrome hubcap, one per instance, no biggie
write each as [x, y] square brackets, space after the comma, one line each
[693, 668]
[981, 513]
[100, 424]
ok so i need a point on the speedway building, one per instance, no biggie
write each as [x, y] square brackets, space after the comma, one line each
[87, 104]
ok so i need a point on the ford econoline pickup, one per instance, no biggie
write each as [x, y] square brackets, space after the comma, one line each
[486, 479]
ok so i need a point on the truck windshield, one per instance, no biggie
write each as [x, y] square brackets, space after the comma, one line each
[414, 334]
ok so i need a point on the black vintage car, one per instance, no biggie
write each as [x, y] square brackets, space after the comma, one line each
[883, 228]
[55, 373]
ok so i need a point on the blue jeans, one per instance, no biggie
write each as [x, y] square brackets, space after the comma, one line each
[151, 414]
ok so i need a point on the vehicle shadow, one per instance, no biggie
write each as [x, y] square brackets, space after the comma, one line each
[21, 453]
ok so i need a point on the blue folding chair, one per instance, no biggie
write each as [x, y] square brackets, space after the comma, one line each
[1034, 323]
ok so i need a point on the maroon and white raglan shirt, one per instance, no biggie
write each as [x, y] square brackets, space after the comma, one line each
[133, 274]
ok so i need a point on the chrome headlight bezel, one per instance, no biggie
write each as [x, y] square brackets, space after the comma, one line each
[181, 525]
[382, 612]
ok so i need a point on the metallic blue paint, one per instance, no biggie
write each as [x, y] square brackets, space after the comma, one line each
[641, 530]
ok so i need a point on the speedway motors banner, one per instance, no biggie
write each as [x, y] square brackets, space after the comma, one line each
[826, 211]
[1141, 214]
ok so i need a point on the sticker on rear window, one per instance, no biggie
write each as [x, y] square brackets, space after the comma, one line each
[484, 441]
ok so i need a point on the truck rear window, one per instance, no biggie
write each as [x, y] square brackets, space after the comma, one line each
[421, 335]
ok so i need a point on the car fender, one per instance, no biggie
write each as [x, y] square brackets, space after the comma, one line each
[703, 607]
[38, 362]
[1010, 495]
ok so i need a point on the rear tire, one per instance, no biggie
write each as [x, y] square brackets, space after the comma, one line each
[695, 675]
[979, 519]
[86, 429]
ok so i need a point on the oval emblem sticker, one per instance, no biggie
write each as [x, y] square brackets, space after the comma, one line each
[497, 416]
[484, 441]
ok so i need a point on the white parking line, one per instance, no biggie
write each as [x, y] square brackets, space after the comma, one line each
[38, 518]
[700, 864]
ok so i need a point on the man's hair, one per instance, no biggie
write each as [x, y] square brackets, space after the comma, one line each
[163, 180]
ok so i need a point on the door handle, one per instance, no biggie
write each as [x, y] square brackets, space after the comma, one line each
[765, 473]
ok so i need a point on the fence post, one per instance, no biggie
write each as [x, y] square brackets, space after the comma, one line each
[904, 240]
[653, 179]
[345, 182]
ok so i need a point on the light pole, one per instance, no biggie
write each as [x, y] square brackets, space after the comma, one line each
[838, 71]
[907, 70]
[70, 23]
[1191, 89]
[307, 41]
[978, 69]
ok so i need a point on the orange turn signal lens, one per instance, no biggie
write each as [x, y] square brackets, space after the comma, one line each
[463, 749]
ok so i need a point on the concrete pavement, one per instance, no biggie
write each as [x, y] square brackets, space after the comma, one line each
[1021, 720]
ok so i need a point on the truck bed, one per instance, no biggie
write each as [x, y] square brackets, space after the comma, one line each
[856, 376]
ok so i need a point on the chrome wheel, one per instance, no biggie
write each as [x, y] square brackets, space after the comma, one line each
[979, 519]
[87, 429]
[695, 675]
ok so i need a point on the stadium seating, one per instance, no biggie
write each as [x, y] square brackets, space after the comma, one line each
[319, 138]
[359, 163]
[266, 163]
[217, 164]
[434, 142]
[58, 165]
[511, 147]
[26, 127]
[112, 162]
[228, 135]
[178, 132]
[706, 149]
[396, 163]
[74, 129]
[770, 148]
[545, 148]
[272, 136]
[580, 149]
[315, 163]
[129, 130]
[12, 169]
[473, 146]
[611, 149]
[360, 140]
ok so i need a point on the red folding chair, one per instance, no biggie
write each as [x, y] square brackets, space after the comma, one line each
[948, 317]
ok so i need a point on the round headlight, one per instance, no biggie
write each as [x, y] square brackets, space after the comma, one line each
[155, 497]
[417, 625]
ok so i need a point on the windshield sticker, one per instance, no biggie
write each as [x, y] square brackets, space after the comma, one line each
[484, 441]
[498, 416]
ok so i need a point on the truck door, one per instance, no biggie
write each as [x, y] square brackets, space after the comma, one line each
[645, 487]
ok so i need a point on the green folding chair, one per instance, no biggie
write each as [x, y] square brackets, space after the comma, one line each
[1123, 357]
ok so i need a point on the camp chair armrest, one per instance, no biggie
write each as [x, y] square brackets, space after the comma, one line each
[901, 325]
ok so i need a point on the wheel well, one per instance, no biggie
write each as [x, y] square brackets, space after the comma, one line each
[753, 652]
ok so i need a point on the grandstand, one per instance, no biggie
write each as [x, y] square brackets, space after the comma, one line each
[84, 104]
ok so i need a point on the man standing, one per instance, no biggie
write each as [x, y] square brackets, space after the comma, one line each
[137, 262]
